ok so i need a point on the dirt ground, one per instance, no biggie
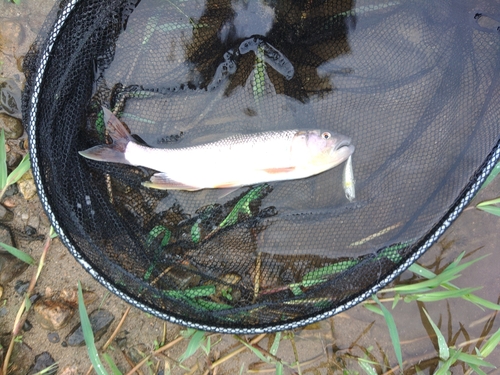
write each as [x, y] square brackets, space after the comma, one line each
[319, 346]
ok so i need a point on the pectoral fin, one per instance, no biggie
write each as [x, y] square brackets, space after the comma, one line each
[279, 170]
[162, 182]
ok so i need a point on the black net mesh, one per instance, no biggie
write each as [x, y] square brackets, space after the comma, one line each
[414, 84]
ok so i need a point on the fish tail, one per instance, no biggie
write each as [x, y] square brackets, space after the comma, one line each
[115, 152]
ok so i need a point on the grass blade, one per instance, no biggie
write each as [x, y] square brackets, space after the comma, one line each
[88, 335]
[444, 351]
[393, 331]
[276, 343]
[494, 210]
[3, 160]
[195, 342]
[366, 367]
[111, 364]
[21, 255]
[491, 344]
[20, 170]
[494, 172]
[442, 295]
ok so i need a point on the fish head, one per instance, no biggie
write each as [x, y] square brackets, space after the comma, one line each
[322, 148]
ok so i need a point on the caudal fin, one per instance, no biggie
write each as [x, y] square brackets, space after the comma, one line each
[115, 152]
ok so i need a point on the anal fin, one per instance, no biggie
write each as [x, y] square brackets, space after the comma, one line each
[161, 181]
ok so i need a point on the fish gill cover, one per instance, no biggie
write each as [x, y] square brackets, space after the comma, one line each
[413, 84]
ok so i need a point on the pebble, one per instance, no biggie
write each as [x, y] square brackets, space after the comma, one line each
[10, 267]
[27, 186]
[27, 326]
[69, 370]
[42, 362]
[13, 160]
[53, 337]
[52, 314]
[10, 94]
[12, 127]
[5, 214]
[21, 287]
[100, 320]
[11, 190]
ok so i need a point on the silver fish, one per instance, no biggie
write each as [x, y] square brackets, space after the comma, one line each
[235, 161]
[348, 181]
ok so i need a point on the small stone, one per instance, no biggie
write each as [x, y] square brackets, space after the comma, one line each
[9, 202]
[64, 344]
[70, 296]
[10, 94]
[13, 160]
[11, 190]
[69, 370]
[27, 326]
[29, 230]
[42, 362]
[100, 320]
[27, 186]
[12, 127]
[3, 311]
[6, 235]
[10, 267]
[21, 287]
[5, 215]
[121, 341]
[52, 314]
[53, 337]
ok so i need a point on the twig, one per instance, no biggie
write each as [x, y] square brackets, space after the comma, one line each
[157, 351]
[19, 321]
[117, 329]
[255, 340]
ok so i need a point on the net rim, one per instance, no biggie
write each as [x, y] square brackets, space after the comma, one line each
[425, 243]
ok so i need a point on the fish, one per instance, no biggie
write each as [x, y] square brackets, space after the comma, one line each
[348, 181]
[231, 162]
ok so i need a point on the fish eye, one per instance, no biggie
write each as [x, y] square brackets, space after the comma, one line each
[326, 135]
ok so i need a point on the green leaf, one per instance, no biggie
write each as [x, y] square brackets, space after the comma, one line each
[366, 367]
[444, 351]
[276, 343]
[373, 308]
[488, 203]
[21, 255]
[473, 359]
[88, 335]
[194, 344]
[20, 170]
[494, 210]
[111, 364]
[3, 160]
[393, 331]
[255, 351]
[491, 344]
[279, 368]
[52, 233]
[442, 295]
[494, 172]
[445, 366]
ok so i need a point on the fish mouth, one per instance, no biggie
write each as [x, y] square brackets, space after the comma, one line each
[346, 142]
